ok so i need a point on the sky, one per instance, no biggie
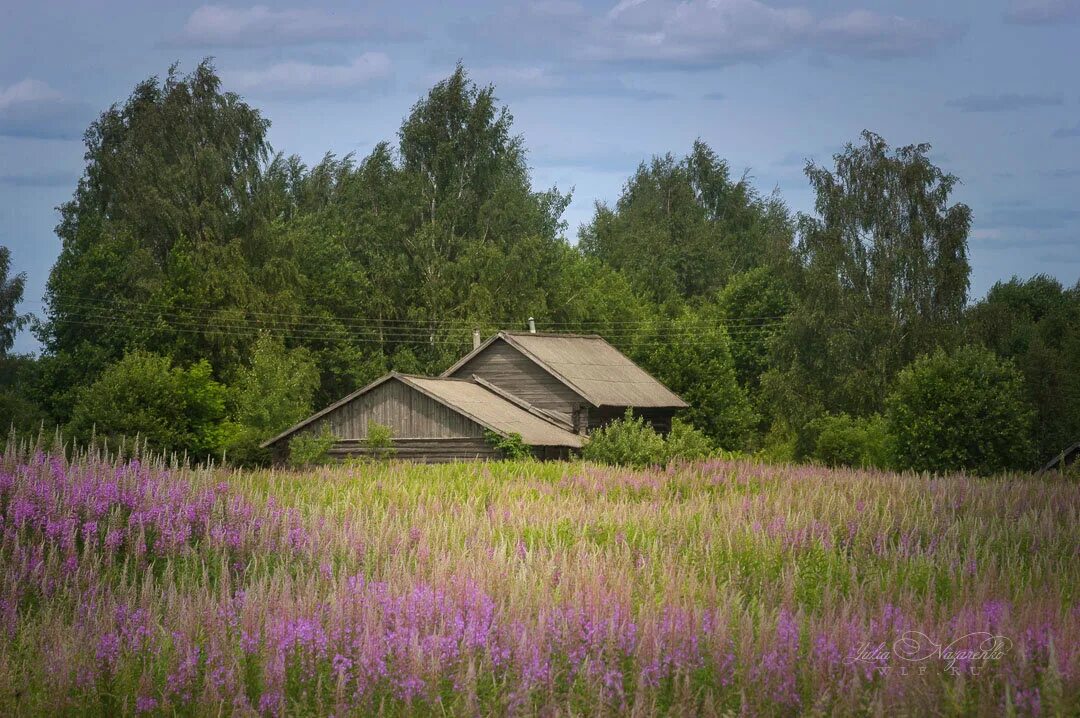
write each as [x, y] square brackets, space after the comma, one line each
[594, 88]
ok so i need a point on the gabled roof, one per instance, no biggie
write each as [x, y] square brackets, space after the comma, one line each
[595, 370]
[471, 400]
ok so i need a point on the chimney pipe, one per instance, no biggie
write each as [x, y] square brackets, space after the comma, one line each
[532, 326]
[475, 338]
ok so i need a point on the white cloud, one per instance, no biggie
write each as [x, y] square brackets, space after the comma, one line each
[298, 78]
[1042, 12]
[32, 109]
[698, 31]
[259, 25]
[28, 90]
[720, 32]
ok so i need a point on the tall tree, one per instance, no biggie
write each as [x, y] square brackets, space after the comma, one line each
[17, 408]
[11, 292]
[690, 352]
[166, 241]
[753, 306]
[683, 228]
[885, 278]
[410, 248]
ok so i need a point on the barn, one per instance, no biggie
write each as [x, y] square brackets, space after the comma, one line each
[551, 389]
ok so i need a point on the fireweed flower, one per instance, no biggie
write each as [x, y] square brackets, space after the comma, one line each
[723, 586]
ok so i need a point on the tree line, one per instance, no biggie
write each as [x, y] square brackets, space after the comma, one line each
[211, 291]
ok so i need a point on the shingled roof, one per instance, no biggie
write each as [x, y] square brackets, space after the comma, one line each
[597, 371]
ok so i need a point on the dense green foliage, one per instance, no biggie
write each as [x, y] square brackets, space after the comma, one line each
[960, 410]
[18, 410]
[691, 354]
[379, 440]
[842, 440]
[267, 396]
[11, 292]
[628, 441]
[310, 449]
[884, 279]
[511, 446]
[686, 443]
[289, 286]
[143, 395]
[684, 228]
[1036, 324]
[754, 305]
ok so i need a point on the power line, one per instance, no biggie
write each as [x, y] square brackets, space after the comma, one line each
[90, 302]
[742, 338]
[148, 317]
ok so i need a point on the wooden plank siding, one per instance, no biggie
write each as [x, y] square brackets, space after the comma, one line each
[407, 412]
[432, 451]
[510, 370]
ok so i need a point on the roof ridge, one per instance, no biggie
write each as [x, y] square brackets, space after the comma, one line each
[433, 378]
[566, 335]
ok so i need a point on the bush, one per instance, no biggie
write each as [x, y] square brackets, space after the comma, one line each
[625, 442]
[964, 410]
[380, 440]
[309, 449]
[172, 408]
[686, 443]
[842, 440]
[511, 446]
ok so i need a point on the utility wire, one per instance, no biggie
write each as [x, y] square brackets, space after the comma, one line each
[743, 338]
[89, 302]
[156, 318]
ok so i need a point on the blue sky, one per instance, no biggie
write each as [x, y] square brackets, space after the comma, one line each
[594, 89]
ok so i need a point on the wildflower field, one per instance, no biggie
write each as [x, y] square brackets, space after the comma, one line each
[717, 588]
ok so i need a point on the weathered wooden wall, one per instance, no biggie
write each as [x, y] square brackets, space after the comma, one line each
[409, 414]
[430, 451]
[511, 371]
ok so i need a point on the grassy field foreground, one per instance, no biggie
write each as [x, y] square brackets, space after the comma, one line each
[557, 589]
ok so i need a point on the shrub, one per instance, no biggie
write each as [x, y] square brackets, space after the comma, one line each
[380, 440]
[686, 443]
[628, 441]
[310, 449]
[172, 408]
[842, 440]
[511, 446]
[964, 410]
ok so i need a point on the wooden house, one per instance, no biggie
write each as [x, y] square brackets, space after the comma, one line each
[578, 377]
[551, 389]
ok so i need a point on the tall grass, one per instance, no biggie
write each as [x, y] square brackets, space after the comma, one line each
[720, 587]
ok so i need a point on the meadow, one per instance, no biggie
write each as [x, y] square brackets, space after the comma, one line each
[723, 587]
